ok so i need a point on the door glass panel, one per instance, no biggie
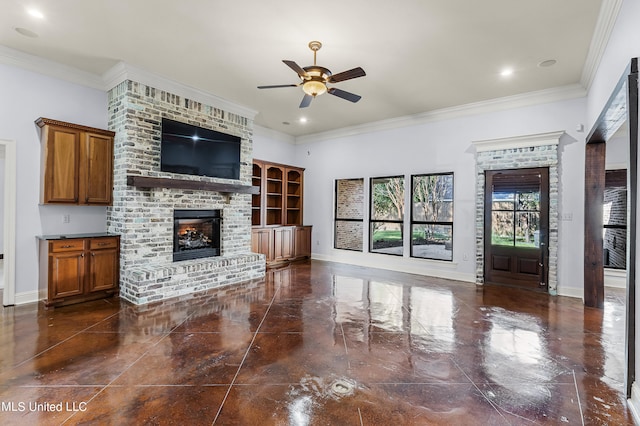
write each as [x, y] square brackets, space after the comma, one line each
[529, 200]
[528, 229]
[502, 228]
[515, 217]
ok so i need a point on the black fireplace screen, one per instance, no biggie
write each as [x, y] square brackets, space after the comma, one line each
[196, 234]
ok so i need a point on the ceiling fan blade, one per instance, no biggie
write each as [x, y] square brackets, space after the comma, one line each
[297, 68]
[347, 75]
[344, 94]
[306, 101]
[277, 85]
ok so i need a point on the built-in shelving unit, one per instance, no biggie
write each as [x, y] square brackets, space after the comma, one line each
[276, 213]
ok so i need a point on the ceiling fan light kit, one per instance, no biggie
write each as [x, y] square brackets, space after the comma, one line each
[314, 79]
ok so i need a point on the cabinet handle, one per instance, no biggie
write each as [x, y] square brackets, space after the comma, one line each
[103, 244]
[66, 246]
[82, 255]
[93, 254]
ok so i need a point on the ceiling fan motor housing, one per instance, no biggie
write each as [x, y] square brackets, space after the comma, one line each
[314, 82]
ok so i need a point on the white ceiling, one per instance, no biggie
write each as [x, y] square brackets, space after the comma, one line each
[419, 55]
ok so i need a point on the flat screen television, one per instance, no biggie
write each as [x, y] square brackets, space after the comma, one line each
[193, 150]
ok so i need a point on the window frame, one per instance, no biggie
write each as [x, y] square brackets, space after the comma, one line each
[400, 221]
[413, 221]
[337, 219]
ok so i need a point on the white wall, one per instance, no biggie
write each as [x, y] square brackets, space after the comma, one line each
[443, 146]
[270, 145]
[27, 96]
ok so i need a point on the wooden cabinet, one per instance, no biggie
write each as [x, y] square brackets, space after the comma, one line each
[302, 242]
[77, 164]
[262, 242]
[73, 270]
[276, 213]
[282, 244]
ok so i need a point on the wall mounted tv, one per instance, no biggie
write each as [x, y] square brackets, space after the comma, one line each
[192, 150]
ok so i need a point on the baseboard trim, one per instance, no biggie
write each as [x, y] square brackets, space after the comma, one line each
[431, 268]
[634, 402]
[615, 278]
[27, 297]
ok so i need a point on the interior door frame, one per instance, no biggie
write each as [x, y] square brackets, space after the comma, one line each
[621, 107]
[544, 219]
[9, 223]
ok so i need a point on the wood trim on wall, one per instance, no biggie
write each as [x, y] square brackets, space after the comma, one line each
[593, 249]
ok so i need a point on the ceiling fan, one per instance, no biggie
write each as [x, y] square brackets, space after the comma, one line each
[315, 79]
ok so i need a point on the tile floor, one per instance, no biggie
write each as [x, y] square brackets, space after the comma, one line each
[319, 344]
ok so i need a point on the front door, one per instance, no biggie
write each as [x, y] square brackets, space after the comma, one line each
[516, 227]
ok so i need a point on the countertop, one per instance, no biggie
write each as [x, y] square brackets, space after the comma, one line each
[70, 236]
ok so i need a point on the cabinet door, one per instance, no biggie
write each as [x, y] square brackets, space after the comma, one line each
[66, 274]
[283, 243]
[302, 241]
[96, 184]
[262, 242]
[61, 165]
[103, 270]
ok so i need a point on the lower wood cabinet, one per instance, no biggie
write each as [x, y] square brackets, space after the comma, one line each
[74, 270]
[282, 244]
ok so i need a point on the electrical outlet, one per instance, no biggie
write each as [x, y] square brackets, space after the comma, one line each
[567, 216]
[66, 218]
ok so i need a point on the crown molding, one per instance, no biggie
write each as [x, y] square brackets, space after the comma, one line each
[123, 71]
[604, 27]
[556, 94]
[50, 68]
[526, 141]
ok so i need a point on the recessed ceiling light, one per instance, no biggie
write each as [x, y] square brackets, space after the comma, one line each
[303, 120]
[35, 13]
[506, 72]
[27, 33]
[547, 63]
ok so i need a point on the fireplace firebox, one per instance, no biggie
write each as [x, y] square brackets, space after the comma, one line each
[196, 234]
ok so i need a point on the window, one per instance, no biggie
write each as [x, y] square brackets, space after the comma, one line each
[432, 216]
[387, 215]
[349, 214]
[614, 211]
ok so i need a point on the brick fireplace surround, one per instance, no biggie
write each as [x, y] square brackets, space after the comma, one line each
[144, 216]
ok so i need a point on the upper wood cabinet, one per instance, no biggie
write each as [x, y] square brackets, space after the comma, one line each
[77, 164]
[280, 199]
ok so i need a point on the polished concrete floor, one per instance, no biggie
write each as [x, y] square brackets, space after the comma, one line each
[319, 344]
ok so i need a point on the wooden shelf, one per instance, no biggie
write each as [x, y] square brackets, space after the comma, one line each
[225, 188]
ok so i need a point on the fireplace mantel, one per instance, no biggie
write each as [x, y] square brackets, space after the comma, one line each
[156, 182]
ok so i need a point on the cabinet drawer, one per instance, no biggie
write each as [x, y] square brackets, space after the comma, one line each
[103, 243]
[66, 245]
